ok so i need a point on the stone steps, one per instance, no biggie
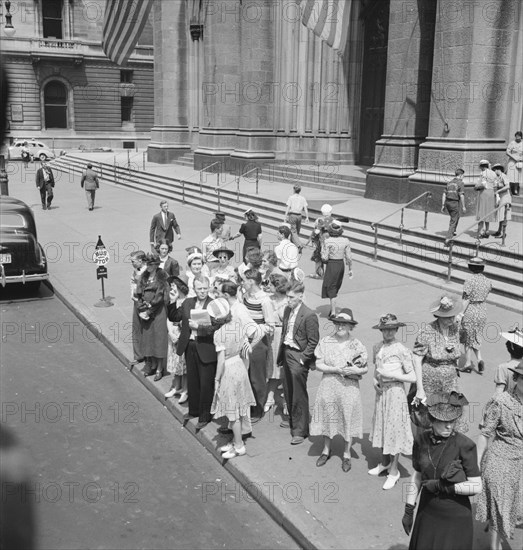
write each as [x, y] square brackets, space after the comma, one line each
[420, 255]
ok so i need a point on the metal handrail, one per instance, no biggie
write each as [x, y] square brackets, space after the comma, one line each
[186, 180]
[375, 225]
[478, 241]
[237, 180]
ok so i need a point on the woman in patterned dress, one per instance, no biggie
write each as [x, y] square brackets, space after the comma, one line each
[445, 474]
[176, 363]
[233, 395]
[485, 202]
[437, 351]
[391, 425]
[475, 292]
[501, 502]
[338, 408]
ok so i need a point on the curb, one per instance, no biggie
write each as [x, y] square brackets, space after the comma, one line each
[307, 530]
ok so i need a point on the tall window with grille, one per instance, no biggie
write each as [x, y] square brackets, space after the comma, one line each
[126, 109]
[52, 18]
[55, 105]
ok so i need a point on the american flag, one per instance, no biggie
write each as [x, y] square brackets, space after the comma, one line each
[123, 24]
[329, 20]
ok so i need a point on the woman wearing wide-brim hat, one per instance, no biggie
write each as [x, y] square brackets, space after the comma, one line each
[224, 271]
[152, 292]
[335, 252]
[445, 475]
[514, 344]
[500, 450]
[437, 351]
[338, 409]
[391, 431]
[475, 291]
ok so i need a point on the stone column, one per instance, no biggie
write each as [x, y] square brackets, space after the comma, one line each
[255, 139]
[407, 99]
[471, 92]
[170, 134]
[221, 90]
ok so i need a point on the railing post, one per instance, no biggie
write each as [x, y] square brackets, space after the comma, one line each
[201, 180]
[449, 266]
[376, 243]
[257, 179]
[183, 191]
[101, 167]
[504, 229]
[114, 170]
[128, 159]
[218, 188]
[401, 226]
[143, 160]
[238, 189]
[427, 199]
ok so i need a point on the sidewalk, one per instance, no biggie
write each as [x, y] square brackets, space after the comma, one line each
[321, 508]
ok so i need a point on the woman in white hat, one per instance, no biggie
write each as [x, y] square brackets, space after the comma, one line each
[195, 268]
[500, 453]
[233, 395]
[335, 253]
[318, 236]
[515, 162]
[391, 431]
[475, 291]
[485, 201]
[445, 475]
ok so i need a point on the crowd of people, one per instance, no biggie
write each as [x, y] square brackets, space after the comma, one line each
[232, 338]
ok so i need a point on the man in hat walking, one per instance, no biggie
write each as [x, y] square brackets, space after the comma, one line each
[45, 184]
[300, 336]
[163, 226]
[90, 183]
[453, 197]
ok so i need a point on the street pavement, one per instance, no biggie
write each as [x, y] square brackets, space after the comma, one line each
[323, 508]
[111, 469]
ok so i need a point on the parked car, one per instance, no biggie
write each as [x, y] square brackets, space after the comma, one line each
[22, 258]
[37, 150]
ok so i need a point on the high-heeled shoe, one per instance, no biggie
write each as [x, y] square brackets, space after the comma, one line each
[183, 397]
[268, 407]
[170, 393]
[391, 481]
[378, 470]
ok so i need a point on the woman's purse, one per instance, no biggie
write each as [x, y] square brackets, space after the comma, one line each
[453, 472]
[419, 414]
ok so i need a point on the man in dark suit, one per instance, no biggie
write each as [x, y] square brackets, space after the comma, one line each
[197, 343]
[300, 336]
[163, 226]
[45, 184]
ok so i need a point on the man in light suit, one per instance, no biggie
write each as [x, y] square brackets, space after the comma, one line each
[45, 184]
[90, 183]
[163, 226]
[197, 343]
[300, 336]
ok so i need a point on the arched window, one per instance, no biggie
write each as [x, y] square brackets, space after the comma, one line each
[55, 105]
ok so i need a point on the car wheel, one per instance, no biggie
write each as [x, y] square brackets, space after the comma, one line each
[42, 156]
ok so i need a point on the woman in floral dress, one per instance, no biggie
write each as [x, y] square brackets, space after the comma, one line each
[437, 351]
[233, 396]
[475, 292]
[338, 408]
[501, 502]
[391, 430]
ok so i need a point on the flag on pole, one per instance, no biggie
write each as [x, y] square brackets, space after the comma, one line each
[329, 20]
[124, 21]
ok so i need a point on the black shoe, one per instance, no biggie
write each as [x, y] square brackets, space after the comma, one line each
[285, 424]
[159, 376]
[322, 460]
[225, 431]
[44, 207]
[147, 373]
[201, 424]
[481, 367]
[246, 436]
[497, 235]
[188, 416]
[346, 465]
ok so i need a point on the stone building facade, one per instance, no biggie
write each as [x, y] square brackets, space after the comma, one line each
[422, 88]
[63, 89]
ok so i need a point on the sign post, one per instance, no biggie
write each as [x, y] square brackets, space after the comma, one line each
[101, 258]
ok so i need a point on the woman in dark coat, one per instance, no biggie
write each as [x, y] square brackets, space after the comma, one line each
[251, 230]
[168, 263]
[153, 294]
[446, 473]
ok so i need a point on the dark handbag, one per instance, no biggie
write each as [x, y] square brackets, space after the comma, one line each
[417, 411]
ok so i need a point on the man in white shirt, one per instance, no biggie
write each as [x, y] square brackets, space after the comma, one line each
[296, 207]
[287, 252]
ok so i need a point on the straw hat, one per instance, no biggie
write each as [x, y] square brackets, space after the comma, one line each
[518, 369]
[326, 209]
[515, 336]
[389, 320]
[344, 316]
[446, 306]
[484, 162]
[335, 229]
[446, 407]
